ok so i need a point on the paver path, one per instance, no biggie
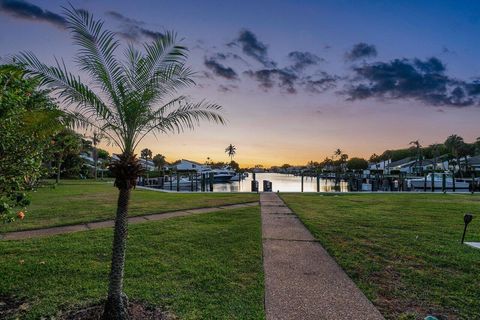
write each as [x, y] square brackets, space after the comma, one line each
[302, 281]
[18, 235]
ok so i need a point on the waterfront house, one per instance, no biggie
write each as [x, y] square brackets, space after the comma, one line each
[379, 167]
[148, 165]
[189, 165]
[404, 165]
[474, 162]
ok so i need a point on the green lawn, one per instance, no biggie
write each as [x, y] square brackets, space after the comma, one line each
[77, 201]
[402, 250]
[206, 266]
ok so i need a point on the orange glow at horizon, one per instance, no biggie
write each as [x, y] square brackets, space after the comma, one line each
[289, 136]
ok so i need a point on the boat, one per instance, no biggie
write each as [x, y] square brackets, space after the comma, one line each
[239, 176]
[438, 182]
[223, 175]
[220, 175]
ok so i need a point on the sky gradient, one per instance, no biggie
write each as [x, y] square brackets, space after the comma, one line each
[297, 79]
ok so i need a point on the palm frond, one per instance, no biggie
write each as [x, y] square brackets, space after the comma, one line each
[164, 50]
[77, 120]
[176, 119]
[158, 74]
[96, 54]
[140, 94]
[68, 87]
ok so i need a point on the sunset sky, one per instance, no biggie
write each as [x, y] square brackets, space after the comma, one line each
[297, 79]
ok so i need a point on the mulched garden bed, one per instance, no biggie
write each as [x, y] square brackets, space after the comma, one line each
[137, 311]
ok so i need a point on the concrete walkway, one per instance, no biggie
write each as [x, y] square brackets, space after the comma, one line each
[19, 235]
[302, 281]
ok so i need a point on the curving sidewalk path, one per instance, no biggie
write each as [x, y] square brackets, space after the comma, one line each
[302, 281]
[27, 234]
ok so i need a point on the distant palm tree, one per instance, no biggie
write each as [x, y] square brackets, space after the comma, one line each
[454, 144]
[231, 150]
[337, 153]
[435, 152]
[418, 150]
[146, 154]
[375, 158]
[135, 97]
[96, 138]
[159, 161]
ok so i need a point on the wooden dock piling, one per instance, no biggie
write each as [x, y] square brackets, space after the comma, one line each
[433, 182]
[444, 183]
[178, 181]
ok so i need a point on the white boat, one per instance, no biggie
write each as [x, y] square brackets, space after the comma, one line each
[220, 175]
[438, 182]
[239, 176]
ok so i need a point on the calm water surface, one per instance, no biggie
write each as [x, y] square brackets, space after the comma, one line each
[280, 182]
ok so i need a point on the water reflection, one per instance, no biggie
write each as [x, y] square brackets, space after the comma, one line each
[280, 182]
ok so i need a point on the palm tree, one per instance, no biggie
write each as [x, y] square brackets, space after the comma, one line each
[146, 154]
[436, 153]
[454, 144]
[134, 98]
[159, 161]
[96, 139]
[418, 151]
[231, 150]
[337, 153]
[375, 158]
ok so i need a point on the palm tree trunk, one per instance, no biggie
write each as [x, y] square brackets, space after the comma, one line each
[116, 305]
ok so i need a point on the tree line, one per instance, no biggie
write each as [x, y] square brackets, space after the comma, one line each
[454, 150]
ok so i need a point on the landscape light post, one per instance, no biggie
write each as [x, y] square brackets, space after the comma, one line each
[467, 218]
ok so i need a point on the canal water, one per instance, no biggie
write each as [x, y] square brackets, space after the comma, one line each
[280, 182]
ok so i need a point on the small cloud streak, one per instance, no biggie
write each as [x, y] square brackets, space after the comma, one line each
[27, 11]
[268, 78]
[227, 88]
[302, 60]
[253, 48]
[133, 29]
[219, 69]
[320, 82]
[361, 50]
